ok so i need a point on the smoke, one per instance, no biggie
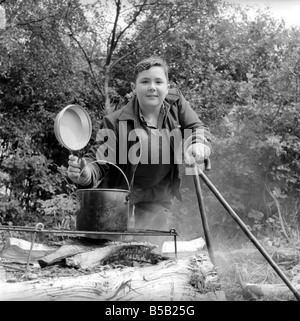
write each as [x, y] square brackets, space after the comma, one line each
[2, 18]
[149, 216]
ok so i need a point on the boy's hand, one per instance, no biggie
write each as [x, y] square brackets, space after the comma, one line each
[78, 172]
[197, 152]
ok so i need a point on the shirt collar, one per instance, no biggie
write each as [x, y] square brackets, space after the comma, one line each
[163, 111]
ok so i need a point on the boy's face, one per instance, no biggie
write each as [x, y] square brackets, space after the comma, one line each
[151, 87]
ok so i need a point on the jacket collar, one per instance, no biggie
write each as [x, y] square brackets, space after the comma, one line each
[131, 112]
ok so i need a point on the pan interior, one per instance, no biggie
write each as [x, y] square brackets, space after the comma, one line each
[74, 128]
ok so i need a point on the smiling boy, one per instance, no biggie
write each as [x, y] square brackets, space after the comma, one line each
[140, 131]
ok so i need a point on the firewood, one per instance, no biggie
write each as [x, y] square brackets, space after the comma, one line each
[17, 250]
[188, 279]
[63, 252]
[92, 258]
[115, 253]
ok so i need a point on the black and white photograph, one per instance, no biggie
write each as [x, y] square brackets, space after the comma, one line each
[150, 153]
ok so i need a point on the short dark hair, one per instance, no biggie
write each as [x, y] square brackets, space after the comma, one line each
[153, 61]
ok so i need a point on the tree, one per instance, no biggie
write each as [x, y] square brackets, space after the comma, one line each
[237, 74]
[241, 75]
[36, 77]
[142, 22]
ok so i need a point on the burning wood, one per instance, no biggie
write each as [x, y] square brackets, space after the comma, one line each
[63, 252]
[132, 254]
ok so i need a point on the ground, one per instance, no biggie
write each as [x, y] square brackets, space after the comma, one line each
[231, 272]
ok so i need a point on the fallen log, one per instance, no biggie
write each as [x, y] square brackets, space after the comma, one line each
[188, 279]
[271, 291]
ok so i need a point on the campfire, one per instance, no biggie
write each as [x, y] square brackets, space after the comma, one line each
[85, 268]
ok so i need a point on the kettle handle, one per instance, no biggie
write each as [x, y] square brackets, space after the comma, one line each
[107, 162]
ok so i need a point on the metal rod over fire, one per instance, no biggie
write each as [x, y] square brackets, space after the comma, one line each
[248, 233]
[135, 232]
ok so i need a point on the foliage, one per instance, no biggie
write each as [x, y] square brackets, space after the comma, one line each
[59, 211]
[241, 75]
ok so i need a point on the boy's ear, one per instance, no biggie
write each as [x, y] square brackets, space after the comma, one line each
[133, 87]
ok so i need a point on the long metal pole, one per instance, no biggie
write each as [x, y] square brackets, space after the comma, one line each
[203, 216]
[248, 233]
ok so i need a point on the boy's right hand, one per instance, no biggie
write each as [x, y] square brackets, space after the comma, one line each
[78, 172]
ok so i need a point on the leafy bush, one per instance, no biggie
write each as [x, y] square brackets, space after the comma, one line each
[59, 211]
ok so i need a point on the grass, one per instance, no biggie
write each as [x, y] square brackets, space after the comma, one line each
[236, 271]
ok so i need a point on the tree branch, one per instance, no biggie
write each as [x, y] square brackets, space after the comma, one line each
[172, 25]
[134, 19]
[113, 42]
[71, 35]
[279, 212]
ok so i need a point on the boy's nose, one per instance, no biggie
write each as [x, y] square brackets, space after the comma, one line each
[152, 86]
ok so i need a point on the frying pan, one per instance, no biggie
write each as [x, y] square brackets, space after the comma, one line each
[73, 127]
[98, 209]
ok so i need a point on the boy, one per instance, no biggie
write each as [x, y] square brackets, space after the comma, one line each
[146, 139]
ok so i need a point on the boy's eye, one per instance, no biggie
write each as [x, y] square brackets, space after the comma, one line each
[147, 81]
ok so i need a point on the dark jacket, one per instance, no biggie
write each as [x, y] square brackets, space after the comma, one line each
[179, 115]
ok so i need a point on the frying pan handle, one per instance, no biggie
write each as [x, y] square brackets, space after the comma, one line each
[79, 155]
